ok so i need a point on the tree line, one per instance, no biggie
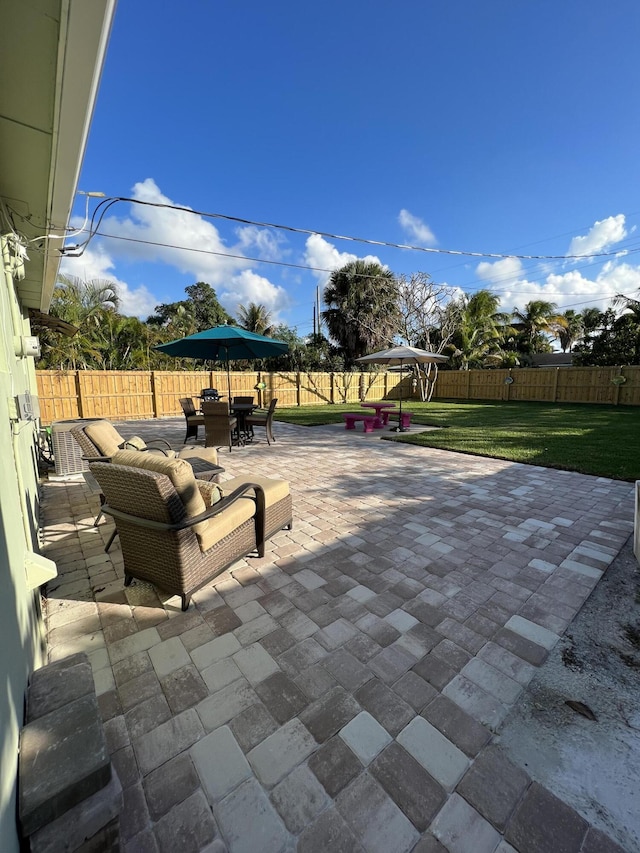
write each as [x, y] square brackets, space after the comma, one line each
[366, 307]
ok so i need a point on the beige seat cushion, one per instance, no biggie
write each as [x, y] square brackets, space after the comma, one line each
[244, 508]
[228, 521]
[274, 490]
[179, 472]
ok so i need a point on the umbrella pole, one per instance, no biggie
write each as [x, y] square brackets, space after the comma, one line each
[399, 428]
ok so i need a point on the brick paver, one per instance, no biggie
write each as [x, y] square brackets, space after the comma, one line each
[341, 693]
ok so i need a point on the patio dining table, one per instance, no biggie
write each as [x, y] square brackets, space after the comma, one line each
[379, 407]
[242, 411]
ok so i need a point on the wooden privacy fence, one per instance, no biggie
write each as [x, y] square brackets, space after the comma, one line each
[127, 395]
[612, 385]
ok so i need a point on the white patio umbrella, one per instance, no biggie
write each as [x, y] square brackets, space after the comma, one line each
[402, 356]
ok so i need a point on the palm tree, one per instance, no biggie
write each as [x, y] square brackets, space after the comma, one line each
[532, 322]
[592, 319]
[84, 304]
[567, 328]
[362, 308]
[630, 307]
[77, 299]
[480, 330]
[255, 318]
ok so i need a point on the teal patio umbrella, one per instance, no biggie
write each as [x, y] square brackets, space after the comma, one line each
[225, 344]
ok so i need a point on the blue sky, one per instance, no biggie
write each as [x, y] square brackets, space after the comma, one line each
[500, 127]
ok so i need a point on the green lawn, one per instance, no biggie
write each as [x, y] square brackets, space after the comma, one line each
[600, 440]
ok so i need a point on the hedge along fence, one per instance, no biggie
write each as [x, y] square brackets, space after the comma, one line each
[128, 395]
[611, 385]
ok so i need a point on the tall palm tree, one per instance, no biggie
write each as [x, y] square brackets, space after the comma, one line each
[480, 330]
[362, 308]
[592, 319]
[567, 328]
[255, 318]
[533, 322]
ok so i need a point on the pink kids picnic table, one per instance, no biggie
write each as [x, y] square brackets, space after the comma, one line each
[379, 407]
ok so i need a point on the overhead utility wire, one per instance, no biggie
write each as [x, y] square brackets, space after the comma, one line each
[289, 264]
[279, 263]
[626, 246]
[104, 205]
[538, 269]
[211, 252]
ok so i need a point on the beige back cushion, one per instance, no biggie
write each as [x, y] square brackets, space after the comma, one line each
[105, 437]
[178, 471]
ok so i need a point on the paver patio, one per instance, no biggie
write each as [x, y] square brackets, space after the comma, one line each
[341, 693]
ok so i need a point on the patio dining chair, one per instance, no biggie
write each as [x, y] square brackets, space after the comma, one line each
[177, 532]
[263, 418]
[193, 418]
[219, 424]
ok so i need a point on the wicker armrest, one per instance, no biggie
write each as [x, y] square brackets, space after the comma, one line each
[126, 445]
[209, 513]
[159, 441]
[96, 458]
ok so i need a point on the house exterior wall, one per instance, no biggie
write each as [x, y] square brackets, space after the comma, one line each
[22, 641]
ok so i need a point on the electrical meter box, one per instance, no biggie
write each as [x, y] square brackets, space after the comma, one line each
[28, 407]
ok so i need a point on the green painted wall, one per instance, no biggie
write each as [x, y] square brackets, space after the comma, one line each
[22, 642]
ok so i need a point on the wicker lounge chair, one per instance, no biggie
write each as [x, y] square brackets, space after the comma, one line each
[177, 532]
[100, 440]
[194, 419]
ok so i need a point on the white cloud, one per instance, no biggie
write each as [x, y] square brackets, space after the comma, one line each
[516, 286]
[167, 231]
[604, 234]
[188, 243]
[572, 289]
[416, 228]
[95, 263]
[268, 244]
[248, 286]
[322, 255]
[139, 302]
[500, 272]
